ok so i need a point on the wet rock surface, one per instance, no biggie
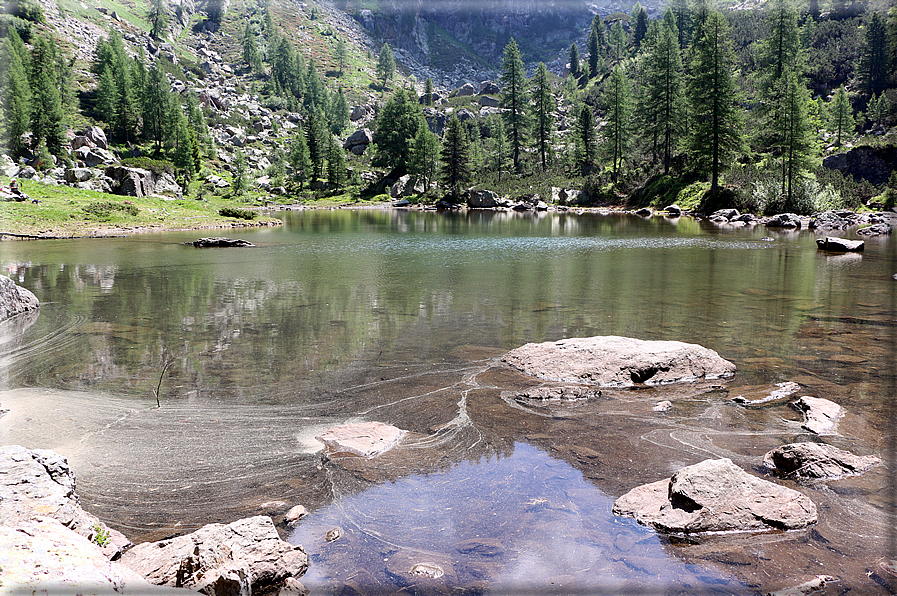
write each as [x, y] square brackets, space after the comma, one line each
[820, 415]
[363, 439]
[14, 299]
[611, 361]
[716, 496]
[221, 243]
[840, 244]
[244, 557]
[817, 460]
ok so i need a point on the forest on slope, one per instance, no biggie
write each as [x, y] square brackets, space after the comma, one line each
[705, 106]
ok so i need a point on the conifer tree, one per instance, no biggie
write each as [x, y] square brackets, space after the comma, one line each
[16, 97]
[543, 112]
[585, 141]
[318, 140]
[336, 164]
[338, 112]
[794, 139]
[498, 145]
[640, 27]
[423, 161]
[107, 97]
[428, 91]
[683, 16]
[158, 17]
[596, 46]
[341, 55]
[663, 94]
[617, 103]
[455, 156]
[781, 51]
[618, 39]
[574, 60]
[299, 158]
[251, 55]
[513, 98]
[156, 107]
[240, 170]
[47, 114]
[315, 91]
[386, 65]
[716, 129]
[397, 126]
[875, 59]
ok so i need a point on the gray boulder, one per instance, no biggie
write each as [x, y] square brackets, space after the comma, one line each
[674, 210]
[362, 439]
[488, 87]
[15, 299]
[828, 220]
[611, 361]
[840, 244]
[644, 212]
[817, 460]
[716, 496]
[41, 556]
[407, 186]
[244, 557]
[82, 141]
[726, 214]
[820, 415]
[879, 229]
[78, 175]
[40, 483]
[96, 135]
[784, 220]
[489, 101]
[221, 243]
[484, 199]
[361, 137]
[874, 164]
[132, 182]
[463, 91]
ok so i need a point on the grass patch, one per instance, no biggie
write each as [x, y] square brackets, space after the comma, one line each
[104, 210]
[237, 213]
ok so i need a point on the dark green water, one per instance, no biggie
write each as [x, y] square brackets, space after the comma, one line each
[397, 317]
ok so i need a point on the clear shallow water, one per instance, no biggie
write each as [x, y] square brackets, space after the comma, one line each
[398, 317]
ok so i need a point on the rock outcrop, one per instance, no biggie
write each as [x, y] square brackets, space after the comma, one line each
[820, 415]
[363, 439]
[219, 242]
[716, 496]
[14, 299]
[864, 163]
[39, 482]
[241, 558]
[611, 361]
[817, 460]
[839, 244]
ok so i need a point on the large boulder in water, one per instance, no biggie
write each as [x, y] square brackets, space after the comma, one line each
[611, 361]
[244, 557]
[716, 496]
[840, 244]
[14, 299]
[817, 460]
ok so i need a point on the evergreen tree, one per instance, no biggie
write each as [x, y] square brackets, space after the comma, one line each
[585, 141]
[47, 115]
[428, 91]
[715, 132]
[386, 65]
[497, 149]
[158, 17]
[157, 107]
[107, 97]
[513, 98]
[455, 155]
[338, 112]
[240, 170]
[781, 51]
[341, 55]
[397, 126]
[574, 60]
[336, 164]
[841, 115]
[875, 59]
[618, 39]
[284, 69]
[315, 91]
[16, 97]
[543, 112]
[184, 143]
[596, 47]
[640, 28]
[663, 95]
[251, 55]
[795, 137]
[318, 141]
[683, 16]
[423, 161]
[138, 74]
[299, 158]
[617, 103]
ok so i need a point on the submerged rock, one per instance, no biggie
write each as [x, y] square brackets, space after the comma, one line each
[817, 460]
[15, 299]
[716, 496]
[244, 557]
[40, 482]
[879, 229]
[808, 587]
[840, 244]
[220, 243]
[364, 439]
[784, 390]
[564, 393]
[611, 361]
[820, 415]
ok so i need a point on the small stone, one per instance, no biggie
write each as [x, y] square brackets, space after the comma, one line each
[333, 534]
[808, 587]
[663, 406]
[364, 439]
[817, 460]
[292, 517]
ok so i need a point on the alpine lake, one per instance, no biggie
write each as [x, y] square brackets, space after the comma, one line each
[402, 317]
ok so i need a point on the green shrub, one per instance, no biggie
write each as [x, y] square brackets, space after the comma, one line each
[29, 10]
[236, 212]
[157, 166]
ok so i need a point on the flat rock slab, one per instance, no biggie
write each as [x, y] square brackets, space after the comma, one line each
[840, 245]
[41, 556]
[611, 361]
[39, 482]
[363, 439]
[784, 390]
[244, 557]
[817, 460]
[15, 299]
[716, 496]
[820, 415]
[221, 243]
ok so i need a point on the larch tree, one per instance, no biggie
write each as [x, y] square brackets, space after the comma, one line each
[157, 107]
[543, 112]
[16, 96]
[47, 114]
[795, 138]
[336, 164]
[455, 157]
[716, 129]
[386, 65]
[513, 98]
[158, 17]
[663, 96]
[428, 91]
[424, 162]
[875, 59]
[585, 141]
[574, 60]
[318, 141]
[617, 104]
[682, 14]
[840, 115]
[618, 40]
[341, 55]
[299, 158]
[396, 127]
[640, 26]
[497, 149]
[597, 40]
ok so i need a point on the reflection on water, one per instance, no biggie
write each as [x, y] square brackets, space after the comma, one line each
[515, 524]
[399, 317]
